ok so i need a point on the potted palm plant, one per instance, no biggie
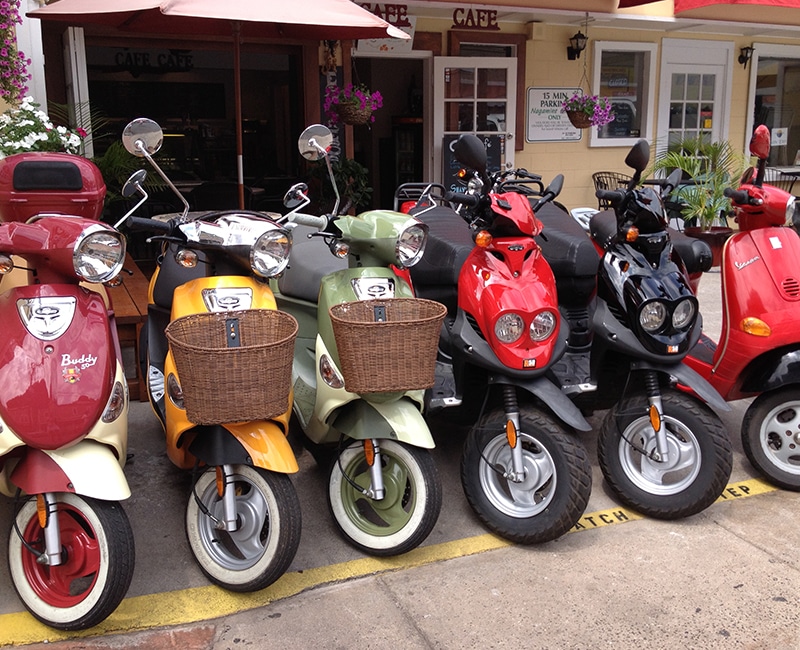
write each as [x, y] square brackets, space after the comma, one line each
[708, 168]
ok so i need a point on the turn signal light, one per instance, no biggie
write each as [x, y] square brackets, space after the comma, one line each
[755, 326]
[483, 239]
[6, 264]
[462, 173]
[186, 258]
[632, 234]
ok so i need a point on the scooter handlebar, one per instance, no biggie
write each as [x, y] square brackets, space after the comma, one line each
[614, 197]
[314, 221]
[737, 196]
[470, 200]
[149, 225]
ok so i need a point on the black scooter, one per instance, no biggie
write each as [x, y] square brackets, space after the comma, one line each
[633, 317]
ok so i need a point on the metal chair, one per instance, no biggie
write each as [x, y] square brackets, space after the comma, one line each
[609, 181]
[777, 178]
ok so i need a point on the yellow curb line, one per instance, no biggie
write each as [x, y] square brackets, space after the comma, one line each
[204, 603]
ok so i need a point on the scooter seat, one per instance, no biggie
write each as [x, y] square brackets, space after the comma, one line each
[449, 244]
[310, 261]
[565, 245]
[695, 253]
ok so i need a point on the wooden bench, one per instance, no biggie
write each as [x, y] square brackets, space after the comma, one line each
[129, 301]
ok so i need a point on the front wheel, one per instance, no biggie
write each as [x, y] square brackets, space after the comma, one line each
[97, 562]
[267, 534]
[771, 436]
[407, 513]
[555, 489]
[697, 467]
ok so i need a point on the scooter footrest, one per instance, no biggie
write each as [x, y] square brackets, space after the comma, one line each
[443, 393]
[574, 374]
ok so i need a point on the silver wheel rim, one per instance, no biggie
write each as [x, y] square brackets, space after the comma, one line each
[527, 498]
[654, 477]
[244, 547]
[779, 437]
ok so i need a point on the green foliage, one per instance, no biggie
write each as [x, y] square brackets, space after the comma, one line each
[712, 166]
[352, 180]
[116, 165]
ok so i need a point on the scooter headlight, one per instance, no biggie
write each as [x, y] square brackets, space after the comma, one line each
[410, 244]
[684, 314]
[542, 325]
[99, 254]
[270, 254]
[652, 315]
[509, 327]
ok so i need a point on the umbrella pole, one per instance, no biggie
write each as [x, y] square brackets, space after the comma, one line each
[237, 93]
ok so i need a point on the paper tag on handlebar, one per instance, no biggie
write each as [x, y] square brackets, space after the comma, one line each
[380, 313]
[232, 332]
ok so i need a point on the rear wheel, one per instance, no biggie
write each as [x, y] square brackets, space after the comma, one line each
[697, 467]
[771, 436]
[265, 541]
[97, 562]
[554, 492]
[404, 517]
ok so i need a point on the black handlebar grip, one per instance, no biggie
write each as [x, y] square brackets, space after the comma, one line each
[149, 225]
[737, 196]
[470, 200]
[614, 197]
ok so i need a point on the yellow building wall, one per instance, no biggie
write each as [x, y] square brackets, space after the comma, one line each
[547, 66]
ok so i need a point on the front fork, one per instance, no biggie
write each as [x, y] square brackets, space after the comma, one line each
[517, 472]
[655, 412]
[372, 454]
[47, 512]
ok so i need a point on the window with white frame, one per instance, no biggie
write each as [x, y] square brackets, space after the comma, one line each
[624, 73]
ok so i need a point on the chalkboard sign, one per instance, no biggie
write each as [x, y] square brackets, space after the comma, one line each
[495, 154]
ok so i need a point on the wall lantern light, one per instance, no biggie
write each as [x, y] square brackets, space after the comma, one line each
[577, 44]
[745, 54]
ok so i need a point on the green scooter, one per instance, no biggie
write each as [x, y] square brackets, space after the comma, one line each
[364, 352]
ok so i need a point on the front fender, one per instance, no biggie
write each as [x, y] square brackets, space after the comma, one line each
[398, 420]
[688, 377]
[258, 443]
[88, 468]
[552, 397]
[771, 370]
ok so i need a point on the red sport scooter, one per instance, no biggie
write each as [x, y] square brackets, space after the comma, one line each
[758, 352]
[64, 399]
[524, 471]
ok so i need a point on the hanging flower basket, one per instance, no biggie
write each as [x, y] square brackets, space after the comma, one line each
[579, 119]
[588, 110]
[353, 113]
[351, 104]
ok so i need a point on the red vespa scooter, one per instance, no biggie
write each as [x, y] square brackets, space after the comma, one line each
[64, 399]
[758, 352]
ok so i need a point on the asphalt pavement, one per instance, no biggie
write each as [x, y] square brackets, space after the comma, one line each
[725, 578]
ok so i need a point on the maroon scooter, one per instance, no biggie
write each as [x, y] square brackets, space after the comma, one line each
[64, 403]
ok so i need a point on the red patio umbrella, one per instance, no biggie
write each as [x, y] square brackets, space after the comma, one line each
[307, 20]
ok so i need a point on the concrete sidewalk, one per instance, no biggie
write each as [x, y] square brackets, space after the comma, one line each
[725, 578]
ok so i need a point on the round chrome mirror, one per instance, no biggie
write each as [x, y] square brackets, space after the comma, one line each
[295, 195]
[315, 141]
[134, 183]
[142, 133]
